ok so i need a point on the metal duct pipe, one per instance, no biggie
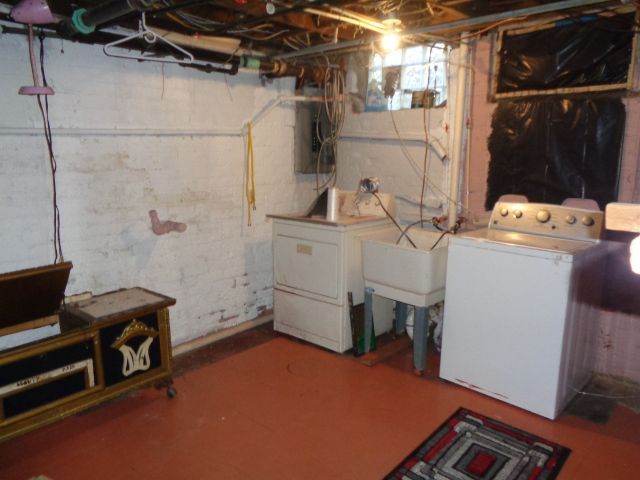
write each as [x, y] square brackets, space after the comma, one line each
[85, 20]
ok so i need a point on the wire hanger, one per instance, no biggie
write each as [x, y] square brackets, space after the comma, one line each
[150, 37]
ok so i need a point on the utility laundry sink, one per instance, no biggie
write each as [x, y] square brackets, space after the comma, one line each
[415, 276]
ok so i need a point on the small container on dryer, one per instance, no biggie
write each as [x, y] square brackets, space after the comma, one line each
[333, 204]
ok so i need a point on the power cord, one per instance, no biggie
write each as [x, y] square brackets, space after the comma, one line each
[406, 229]
[393, 219]
[334, 106]
[44, 111]
[426, 125]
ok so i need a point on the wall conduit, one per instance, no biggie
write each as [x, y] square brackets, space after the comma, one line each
[458, 134]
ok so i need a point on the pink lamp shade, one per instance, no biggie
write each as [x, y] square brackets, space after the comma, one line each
[36, 90]
[34, 12]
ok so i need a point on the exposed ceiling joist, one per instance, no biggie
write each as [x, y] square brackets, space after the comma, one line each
[300, 29]
[456, 25]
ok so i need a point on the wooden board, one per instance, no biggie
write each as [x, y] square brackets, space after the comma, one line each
[623, 217]
[31, 294]
[118, 303]
[20, 327]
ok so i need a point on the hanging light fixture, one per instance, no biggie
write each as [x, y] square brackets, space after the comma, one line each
[33, 12]
[391, 38]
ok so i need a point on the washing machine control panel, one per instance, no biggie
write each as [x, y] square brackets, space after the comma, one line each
[546, 219]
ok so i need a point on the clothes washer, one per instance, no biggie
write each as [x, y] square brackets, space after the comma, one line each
[520, 305]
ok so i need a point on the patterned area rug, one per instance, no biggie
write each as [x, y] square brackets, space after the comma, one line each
[470, 446]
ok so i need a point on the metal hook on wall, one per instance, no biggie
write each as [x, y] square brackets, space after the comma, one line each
[150, 37]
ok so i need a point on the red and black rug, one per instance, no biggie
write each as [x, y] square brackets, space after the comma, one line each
[470, 446]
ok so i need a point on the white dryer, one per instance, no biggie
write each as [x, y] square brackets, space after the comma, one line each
[520, 305]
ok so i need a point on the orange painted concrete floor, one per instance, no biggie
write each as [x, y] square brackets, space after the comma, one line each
[281, 409]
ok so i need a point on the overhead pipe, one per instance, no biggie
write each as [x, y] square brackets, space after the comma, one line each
[205, 42]
[237, 57]
[278, 68]
[234, 56]
[85, 20]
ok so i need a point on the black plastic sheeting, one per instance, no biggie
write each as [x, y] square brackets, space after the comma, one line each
[553, 148]
[578, 52]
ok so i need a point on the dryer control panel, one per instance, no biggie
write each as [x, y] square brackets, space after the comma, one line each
[559, 221]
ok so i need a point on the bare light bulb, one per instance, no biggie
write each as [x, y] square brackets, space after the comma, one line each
[390, 41]
[634, 259]
[270, 7]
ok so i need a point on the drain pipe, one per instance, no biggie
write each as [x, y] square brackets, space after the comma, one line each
[458, 133]
[85, 21]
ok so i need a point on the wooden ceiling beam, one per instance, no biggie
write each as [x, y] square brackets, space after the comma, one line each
[301, 22]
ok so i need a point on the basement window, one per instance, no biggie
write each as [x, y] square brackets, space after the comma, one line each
[412, 77]
[585, 54]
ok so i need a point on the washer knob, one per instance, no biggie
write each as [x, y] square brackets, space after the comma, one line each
[588, 221]
[504, 212]
[570, 219]
[543, 216]
[517, 213]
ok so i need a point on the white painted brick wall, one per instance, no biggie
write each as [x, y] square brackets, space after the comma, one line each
[219, 270]
[365, 157]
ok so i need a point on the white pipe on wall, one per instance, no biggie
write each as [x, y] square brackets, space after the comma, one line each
[467, 151]
[458, 131]
[121, 132]
[434, 143]
[162, 132]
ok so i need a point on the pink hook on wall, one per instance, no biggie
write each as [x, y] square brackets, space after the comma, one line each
[160, 228]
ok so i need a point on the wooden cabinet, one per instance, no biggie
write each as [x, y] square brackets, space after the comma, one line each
[110, 344]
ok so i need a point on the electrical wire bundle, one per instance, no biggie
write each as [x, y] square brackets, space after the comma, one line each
[334, 106]
[44, 111]
[426, 123]
[191, 21]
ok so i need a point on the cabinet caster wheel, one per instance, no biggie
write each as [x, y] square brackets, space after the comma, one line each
[171, 392]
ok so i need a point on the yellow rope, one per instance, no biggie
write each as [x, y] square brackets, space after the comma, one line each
[250, 184]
